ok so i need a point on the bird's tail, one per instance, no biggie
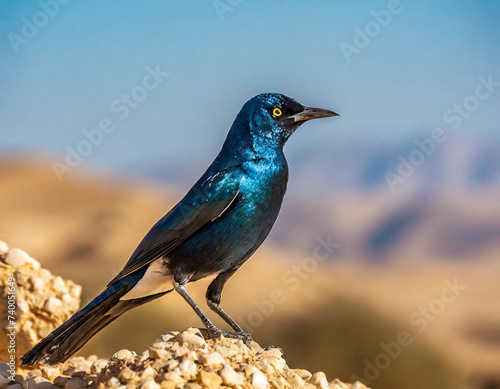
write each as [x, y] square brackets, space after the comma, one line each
[70, 336]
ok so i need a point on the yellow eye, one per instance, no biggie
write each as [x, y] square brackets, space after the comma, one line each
[277, 112]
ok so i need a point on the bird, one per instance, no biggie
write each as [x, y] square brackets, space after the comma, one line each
[212, 231]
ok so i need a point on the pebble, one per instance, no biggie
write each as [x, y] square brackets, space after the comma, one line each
[249, 370]
[150, 384]
[35, 265]
[213, 360]
[156, 353]
[226, 352]
[75, 366]
[3, 248]
[181, 351]
[168, 385]
[114, 382]
[52, 304]
[44, 275]
[23, 305]
[192, 337]
[4, 368]
[158, 344]
[144, 356]
[296, 382]
[38, 383]
[172, 377]
[337, 384]
[98, 365]
[172, 364]
[4, 381]
[38, 283]
[17, 258]
[51, 373]
[302, 373]
[60, 381]
[193, 385]
[267, 368]
[75, 290]
[67, 299]
[259, 380]
[58, 285]
[231, 377]
[188, 366]
[148, 372]
[319, 380]
[122, 355]
[167, 337]
[255, 347]
[76, 383]
[127, 375]
[272, 353]
[208, 379]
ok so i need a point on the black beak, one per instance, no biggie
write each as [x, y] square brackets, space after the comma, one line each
[309, 113]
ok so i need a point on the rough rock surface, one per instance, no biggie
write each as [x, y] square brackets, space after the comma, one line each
[181, 360]
[42, 301]
[175, 360]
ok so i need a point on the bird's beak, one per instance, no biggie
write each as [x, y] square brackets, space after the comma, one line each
[309, 113]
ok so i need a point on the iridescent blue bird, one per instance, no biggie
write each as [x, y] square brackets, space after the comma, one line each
[213, 230]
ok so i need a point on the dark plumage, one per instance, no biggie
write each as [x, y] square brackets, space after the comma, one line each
[213, 230]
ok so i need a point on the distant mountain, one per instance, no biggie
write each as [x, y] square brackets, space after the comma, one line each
[416, 197]
[458, 163]
[455, 164]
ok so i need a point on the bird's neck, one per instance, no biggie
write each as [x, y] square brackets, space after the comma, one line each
[245, 144]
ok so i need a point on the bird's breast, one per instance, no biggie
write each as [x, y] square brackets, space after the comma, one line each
[231, 238]
[263, 185]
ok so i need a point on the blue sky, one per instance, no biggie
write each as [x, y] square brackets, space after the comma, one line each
[64, 79]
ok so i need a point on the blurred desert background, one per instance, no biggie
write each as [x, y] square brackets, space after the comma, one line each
[392, 282]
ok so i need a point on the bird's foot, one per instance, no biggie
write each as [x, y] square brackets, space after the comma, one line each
[215, 333]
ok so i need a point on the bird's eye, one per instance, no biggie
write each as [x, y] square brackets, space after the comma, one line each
[277, 112]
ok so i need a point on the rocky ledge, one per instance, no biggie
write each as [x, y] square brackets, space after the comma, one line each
[34, 302]
[175, 360]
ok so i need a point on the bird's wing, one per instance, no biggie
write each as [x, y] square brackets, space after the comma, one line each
[205, 202]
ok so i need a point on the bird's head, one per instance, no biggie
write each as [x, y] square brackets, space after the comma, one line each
[272, 118]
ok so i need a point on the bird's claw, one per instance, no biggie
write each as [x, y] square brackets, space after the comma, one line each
[215, 333]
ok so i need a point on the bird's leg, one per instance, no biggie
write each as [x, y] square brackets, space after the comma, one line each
[181, 289]
[213, 331]
[213, 297]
